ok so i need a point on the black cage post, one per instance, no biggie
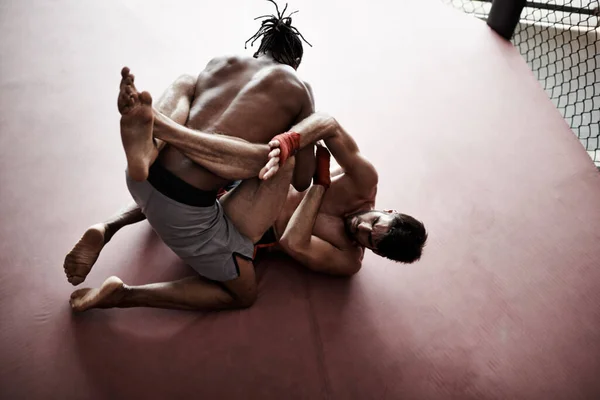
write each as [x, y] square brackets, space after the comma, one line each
[504, 16]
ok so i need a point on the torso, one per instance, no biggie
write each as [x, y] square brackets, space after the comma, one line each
[248, 98]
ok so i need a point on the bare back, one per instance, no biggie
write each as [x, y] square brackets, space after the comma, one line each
[252, 99]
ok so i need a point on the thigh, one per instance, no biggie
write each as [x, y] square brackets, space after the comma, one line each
[243, 289]
[255, 204]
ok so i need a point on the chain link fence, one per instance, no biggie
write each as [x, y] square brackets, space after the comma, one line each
[559, 39]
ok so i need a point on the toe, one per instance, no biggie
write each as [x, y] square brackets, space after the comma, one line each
[270, 173]
[76, 280]
[274, 153]
[145, 98]
[273, 162]
[79, 293]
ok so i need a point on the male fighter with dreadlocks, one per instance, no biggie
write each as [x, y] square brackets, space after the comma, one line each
[252, 99]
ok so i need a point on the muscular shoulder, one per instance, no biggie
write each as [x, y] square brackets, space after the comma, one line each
[358, 181]
[223, 62]
[285, 80]
[283, 74]
[309, 91]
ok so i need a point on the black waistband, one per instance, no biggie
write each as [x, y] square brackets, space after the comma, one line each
[177, 189]
[268, 238]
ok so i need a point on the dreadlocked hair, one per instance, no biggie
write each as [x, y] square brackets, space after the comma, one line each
[279, 38]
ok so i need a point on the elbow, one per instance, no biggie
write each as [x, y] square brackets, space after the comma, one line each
[285, 242]
[301, 186]
[290, 244]
[349, 270]
[353, 270]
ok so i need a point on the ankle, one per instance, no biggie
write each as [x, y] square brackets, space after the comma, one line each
[110, 229]
[123, 297]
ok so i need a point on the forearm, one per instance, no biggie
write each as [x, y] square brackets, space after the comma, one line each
[324, 127]
[305, 168]
[318, 126]
[227, 157]
[321, 126]
[300, 227]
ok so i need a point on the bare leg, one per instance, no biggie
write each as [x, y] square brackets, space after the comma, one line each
[80, 260]
[255, 204]
[175, 103]
[228, 157]
[193, 293]
[140, 147]
[232, 158]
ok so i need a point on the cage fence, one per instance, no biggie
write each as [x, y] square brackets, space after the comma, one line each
[559, 41]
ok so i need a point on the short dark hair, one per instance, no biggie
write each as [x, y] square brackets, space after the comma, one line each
[404, 241]
[279, 38]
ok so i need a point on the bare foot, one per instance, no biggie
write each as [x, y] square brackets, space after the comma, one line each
[136, 127]
[79, 261]
[108, 295]
[272, 165]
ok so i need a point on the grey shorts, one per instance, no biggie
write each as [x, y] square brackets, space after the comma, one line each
[202, 236]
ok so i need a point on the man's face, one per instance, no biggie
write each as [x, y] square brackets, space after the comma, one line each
[368, 227]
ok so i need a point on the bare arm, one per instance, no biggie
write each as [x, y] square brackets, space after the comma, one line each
[312, 251]
[321, 126]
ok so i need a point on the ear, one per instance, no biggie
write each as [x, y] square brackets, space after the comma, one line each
[296, 62]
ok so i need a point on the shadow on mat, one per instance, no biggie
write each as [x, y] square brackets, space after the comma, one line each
[139, 352]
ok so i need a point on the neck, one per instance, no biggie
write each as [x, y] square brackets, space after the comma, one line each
[266, 57]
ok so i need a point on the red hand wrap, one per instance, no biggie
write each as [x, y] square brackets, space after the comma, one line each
[289, 143]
